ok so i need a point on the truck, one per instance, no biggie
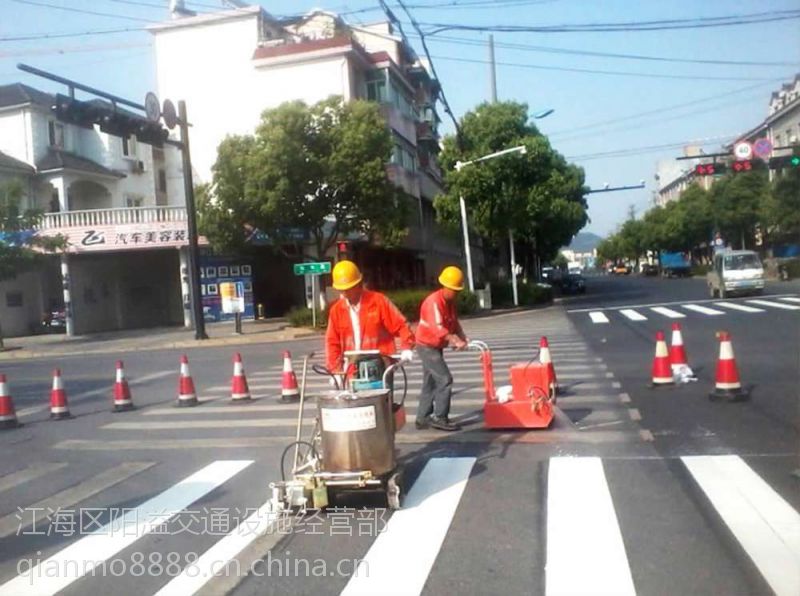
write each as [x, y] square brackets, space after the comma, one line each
[675, 264]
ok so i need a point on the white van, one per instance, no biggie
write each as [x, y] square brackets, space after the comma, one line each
[735, 271]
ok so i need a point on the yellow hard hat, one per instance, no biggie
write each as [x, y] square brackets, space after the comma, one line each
[452, 278]
[346, 275]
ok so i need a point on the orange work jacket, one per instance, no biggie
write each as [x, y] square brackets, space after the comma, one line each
[437, 320]
[380, 322]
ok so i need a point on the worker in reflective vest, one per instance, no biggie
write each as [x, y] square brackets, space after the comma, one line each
[362, 320]
[438, 328]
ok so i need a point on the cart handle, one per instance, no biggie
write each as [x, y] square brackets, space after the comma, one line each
[476, 344]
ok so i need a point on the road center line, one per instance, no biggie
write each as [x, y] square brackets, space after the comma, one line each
[585, 551]
[417, 531]
[763, 522]
[81, 557]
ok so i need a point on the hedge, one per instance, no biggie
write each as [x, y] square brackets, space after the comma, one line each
[793, 268]
[530, 294]
[700, 270]
[407, 301]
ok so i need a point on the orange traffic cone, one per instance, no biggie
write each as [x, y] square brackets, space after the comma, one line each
[677, 353]
[122, 393]
[239, 388]
[289, 389]
[547, 361]
[187, 396]
[728, 386]
[8, 415]
[662, 371]
[58, 398]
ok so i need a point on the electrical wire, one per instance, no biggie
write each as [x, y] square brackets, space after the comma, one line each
[647, 149]
[82, 11]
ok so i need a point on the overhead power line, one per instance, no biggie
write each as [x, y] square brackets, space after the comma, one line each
[82, 11]
[628, 151]
[37, 36]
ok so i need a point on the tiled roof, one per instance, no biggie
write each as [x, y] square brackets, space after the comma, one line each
[18, 94]
[11, 163]
[63, 160]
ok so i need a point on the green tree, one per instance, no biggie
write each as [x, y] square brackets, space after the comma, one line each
[20, 248]
[781, 212]
[695, 213]
[738, 201]
[610, 249]
[318, 170]
[538, 195]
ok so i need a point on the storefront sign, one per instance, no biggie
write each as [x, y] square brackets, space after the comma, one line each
[123, 237]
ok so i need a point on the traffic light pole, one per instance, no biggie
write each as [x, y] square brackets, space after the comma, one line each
[191, 223]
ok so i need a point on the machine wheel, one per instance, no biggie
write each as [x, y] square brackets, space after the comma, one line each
[394, 487]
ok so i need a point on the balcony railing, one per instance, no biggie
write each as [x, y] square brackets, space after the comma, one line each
[112, 217]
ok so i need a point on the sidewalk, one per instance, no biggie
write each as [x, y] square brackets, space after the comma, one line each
[163, 338]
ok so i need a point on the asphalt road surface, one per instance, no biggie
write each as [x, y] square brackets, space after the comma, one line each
[631, 490]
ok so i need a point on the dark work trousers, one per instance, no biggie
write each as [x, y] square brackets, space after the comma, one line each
[437, 384]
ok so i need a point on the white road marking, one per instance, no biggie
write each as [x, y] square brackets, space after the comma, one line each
[703, 309]
[633, 315]
[791, 299]
[763, 522]
[10, 524]
[196, 424]
[774, 304]
[668, 312]
[598, 317]
[427, 512]
[737, 306]
[199, 573]
[81, 557]
[33, 471]
[585, 551]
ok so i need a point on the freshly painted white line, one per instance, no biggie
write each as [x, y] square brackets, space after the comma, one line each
[763, 522]
[703, 309]
[417, 531]
[598, 317]
[633, 315]
[791, 299]
[579, 310]
[774, 304]
[11, 524]
[739, 307]
[585, 552]
[213, 561]
[81, 557]
[33, 471]
[196, 424]
[668, 312]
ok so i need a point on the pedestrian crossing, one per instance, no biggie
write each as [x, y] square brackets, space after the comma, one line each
[638, 314]
[588, 544]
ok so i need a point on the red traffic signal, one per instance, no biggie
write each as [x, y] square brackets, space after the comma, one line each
[744, 165]
[709, 169]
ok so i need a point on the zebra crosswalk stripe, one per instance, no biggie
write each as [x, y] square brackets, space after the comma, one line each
[668, 312]
[598, 317]
[703, 309]
[585, 551]
[761, 520]
[774, 304]
[633, 315]
[427, 512]
[739, 307]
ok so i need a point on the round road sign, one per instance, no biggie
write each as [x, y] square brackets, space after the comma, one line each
[762, 147]
[152, 107]
[170, 115]
[743, 150]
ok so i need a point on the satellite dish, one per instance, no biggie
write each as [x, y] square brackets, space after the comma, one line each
[152, 107]
[170, 115]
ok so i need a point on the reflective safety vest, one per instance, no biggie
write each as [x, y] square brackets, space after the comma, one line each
[380, 321]
[437, 320]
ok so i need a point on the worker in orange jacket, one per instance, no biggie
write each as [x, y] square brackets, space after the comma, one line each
[438, 328]
[362, 320]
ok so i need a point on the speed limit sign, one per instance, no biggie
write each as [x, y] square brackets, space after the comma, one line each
[743, 150]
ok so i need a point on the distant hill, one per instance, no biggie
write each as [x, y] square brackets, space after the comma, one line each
[585, 242]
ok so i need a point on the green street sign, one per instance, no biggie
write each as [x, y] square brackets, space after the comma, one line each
[312, 268]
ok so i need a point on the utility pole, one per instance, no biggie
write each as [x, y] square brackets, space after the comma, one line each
[492, 71]
[191, 223]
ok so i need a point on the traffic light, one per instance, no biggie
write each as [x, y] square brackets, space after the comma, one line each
[72, 111]
[784, 162]
[709, 169]
[342, 250]
[744, 165]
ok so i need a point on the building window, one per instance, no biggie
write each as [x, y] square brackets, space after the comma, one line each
[404, 158]
[55, 131]
[162, 181]
[376, 86]
[13, 299]
[133, 201]
[129, 148]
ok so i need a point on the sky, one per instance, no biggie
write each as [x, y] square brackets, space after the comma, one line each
[616, 126]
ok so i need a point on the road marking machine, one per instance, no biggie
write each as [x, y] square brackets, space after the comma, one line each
[352, 445]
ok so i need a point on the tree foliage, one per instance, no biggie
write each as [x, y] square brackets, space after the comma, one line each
[538, 195]
[318, 170]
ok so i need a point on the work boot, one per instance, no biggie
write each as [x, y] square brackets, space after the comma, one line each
[422, 424]
[443, 424]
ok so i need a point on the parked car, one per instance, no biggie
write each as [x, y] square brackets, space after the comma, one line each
[649, 270]
[735, 272]
[675, 264]
[621, 269]
[573, 283]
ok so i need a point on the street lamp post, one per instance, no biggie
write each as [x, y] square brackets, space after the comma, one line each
[467, 254]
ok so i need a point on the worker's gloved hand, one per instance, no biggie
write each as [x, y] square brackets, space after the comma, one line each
[406, 356]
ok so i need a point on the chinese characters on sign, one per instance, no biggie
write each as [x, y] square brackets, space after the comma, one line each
[124, 237]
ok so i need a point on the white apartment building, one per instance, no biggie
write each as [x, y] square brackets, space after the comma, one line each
[120, 205]
[230, 66]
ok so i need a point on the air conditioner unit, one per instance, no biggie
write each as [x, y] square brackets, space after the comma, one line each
[137, 167]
